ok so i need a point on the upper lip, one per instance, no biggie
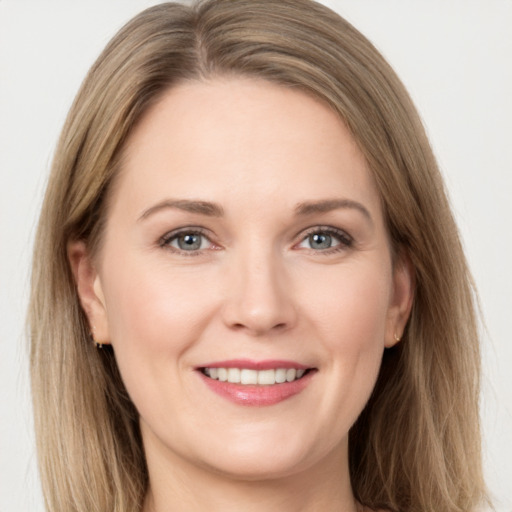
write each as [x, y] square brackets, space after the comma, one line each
[268, 364]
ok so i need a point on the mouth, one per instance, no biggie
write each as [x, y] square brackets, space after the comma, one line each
[250, 377]
[261, 383]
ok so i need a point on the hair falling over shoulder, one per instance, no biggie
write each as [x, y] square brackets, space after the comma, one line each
[416, 446]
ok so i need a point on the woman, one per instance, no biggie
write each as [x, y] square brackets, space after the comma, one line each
[245, 215]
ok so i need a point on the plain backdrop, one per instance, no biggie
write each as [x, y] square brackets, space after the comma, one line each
[454, 56]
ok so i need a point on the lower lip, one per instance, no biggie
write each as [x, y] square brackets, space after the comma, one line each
[258, 396]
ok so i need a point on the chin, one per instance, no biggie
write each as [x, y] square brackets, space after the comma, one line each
[252, 458]
[257, 469]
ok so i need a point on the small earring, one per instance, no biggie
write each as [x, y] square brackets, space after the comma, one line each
[397, 338]
[97, 343]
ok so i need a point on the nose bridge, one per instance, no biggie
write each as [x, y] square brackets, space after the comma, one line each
[259, 298]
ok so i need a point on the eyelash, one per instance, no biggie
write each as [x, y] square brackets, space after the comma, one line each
[168, 238]
[345, 240]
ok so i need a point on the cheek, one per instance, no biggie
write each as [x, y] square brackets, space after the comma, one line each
[154, 316]
[152, 306]
[351, 322]
[351, 308]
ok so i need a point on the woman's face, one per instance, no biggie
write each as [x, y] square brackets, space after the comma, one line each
[245, 240]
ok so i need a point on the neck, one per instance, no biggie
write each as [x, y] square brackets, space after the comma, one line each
[180, 485]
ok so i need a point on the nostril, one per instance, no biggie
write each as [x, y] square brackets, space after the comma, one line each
[259, 329]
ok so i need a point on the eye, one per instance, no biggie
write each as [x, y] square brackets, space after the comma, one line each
[187, 241]
[323, 239]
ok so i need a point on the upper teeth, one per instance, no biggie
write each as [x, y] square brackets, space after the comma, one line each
[246, 376]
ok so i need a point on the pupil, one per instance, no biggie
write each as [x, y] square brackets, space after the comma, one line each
[319, 241]
[188, 242]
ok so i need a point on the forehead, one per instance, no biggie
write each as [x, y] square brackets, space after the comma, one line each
[229, 136]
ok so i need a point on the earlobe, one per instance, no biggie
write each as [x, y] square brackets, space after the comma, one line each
[90, 291]
[401, 300]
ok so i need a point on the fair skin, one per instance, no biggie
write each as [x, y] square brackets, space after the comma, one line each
[245, 225]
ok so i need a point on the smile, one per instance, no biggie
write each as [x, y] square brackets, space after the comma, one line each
[246, 376]
[257, 384]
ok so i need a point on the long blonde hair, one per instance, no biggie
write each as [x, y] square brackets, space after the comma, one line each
[416, 446]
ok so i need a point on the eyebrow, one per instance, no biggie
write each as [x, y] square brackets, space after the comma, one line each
[328, 205]
[187, 205]
[215, 210]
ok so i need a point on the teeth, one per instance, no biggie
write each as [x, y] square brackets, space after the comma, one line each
[247, 377]
[234, 375]
[280, 375]
[291, 373]
[267, 377]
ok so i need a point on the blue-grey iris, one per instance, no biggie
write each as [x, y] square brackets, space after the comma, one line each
[320, 241]
[189, 242]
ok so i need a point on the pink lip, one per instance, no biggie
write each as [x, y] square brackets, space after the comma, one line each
[255, 365]
[253, 395]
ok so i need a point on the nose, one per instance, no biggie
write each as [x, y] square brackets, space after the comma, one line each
[259, 300]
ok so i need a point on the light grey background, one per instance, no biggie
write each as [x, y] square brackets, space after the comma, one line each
[454, 56]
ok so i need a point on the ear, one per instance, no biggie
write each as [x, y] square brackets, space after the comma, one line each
[89, 290]
[402, 295]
